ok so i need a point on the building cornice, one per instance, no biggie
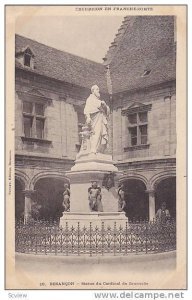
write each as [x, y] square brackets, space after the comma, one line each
[35, 158]
[146, 160]
[157, 88]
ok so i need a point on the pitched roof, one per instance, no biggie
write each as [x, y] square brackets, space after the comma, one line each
[62, 66]
[143, 43]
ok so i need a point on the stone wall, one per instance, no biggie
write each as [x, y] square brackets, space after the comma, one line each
[61, 123]
[161, 124]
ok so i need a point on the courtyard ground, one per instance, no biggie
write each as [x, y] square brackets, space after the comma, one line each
[108, 272]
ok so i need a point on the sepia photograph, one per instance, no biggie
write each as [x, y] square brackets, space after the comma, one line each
[96, 147]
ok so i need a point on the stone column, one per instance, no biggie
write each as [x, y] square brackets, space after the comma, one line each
[28, 203]
[151, 204]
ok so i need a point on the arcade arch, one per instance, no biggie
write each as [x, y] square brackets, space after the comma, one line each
[136, 198]
[166, 192]
[49, 197]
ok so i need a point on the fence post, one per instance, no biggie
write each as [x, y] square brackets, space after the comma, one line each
[131, 233]
[45, 248]
[50, 241]
[35, 239]
[102, 238]
[114, 239]
[40, 237]
[120, 240]
[78, 236]
[55, 237]
[126, 233]
[84, 239]
[146, 237]
[96, 240]
[90, 239]
[61, 239]
[67, 241]
[27, 248]
[137, 240]
[72, 239]
[162, 242]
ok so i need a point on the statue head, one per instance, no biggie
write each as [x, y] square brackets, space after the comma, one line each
[66, 186]
[163, 205]
[94, 184]
[109, 183]
[95, 90]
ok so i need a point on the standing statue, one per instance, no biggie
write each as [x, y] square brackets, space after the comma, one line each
[66, 198]
[163, 214]
[121, 194]
[96, 112]
[95, 197]
[35, 209]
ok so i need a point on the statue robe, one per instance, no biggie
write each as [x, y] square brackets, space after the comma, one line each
[98, 114]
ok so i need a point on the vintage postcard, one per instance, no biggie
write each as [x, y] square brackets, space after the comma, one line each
[96, 147]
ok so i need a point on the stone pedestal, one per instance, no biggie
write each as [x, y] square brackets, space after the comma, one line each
[94, 162]
[93, 218]
[87, 169]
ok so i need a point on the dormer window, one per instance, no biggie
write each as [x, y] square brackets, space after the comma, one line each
[27, 60]
[26, 57]
[146, 73]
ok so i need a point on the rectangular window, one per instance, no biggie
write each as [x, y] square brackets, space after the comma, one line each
[132, 119]
[28, 121]
[143, 117]
[138, 128]
[133, 134]
[39, 109]
[39, 128]
[143, 134]
[27, 107]
[33, 120]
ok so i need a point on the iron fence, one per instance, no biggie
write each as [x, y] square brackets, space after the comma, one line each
[40, 237]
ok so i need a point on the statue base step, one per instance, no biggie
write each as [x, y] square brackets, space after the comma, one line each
[94, 162]
[95, 218]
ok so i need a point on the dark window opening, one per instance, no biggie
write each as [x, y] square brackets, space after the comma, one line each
[39, 128]
[133, 134]
[143, 117]
[143, 133]
[39, 109]
[27, 60]
[27, 107]
[132, 118]
[28, 121]
[146, 73]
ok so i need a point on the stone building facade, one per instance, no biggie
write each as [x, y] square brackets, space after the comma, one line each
[137, 80]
